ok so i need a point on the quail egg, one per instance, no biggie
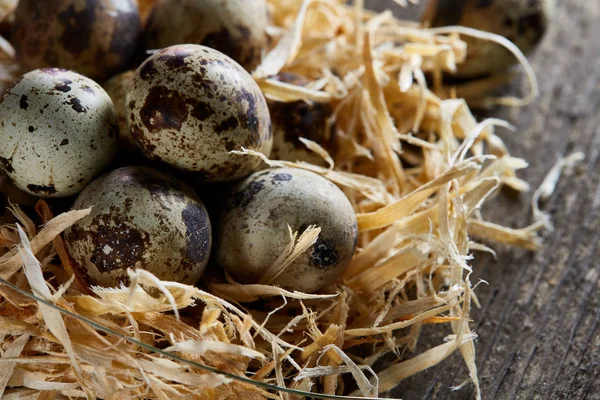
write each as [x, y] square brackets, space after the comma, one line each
[300, 119]
[253, 228]
[234, 27]
[58, 130]
[191, 105]
[140, 218]
[96, 38]
[523, 22]
[117, 88]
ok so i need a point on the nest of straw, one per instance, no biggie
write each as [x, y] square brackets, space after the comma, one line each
[416, 165]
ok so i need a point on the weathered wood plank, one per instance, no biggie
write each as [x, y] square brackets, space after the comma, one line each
[538, 326]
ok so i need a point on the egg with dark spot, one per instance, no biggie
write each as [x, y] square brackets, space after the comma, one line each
[117, 88]
[300, 119]
[523, 22]
[58, 130]
[234, 27]
[253, 228]
[96, 38]
[190, 106]
[140, 218]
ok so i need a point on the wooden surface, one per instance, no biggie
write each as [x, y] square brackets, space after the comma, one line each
[538, 324]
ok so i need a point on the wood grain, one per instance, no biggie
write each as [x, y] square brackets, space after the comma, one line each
[538, 324]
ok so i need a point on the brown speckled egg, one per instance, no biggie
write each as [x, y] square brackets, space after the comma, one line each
[96, 38]
[234, 27]
[140, 218]
[253, 228]
[523, 22]
[300, 119]
[58, 130]
[117, 88]
[191, 105]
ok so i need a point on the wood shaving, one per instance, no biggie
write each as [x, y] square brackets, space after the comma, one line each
[549, 183]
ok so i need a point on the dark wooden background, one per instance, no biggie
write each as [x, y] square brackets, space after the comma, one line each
[538, 324]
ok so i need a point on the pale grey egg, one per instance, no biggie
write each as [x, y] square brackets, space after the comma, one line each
[253, 228]
[58, 130]
[190, 106]
[140, 218]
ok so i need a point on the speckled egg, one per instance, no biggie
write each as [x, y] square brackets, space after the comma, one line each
[300, 119]
[140, 218]
[234, 27]
[253, 228]
[191, 105]
[117, 88]
[96, 38]
[523, 22]
[58, 130]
